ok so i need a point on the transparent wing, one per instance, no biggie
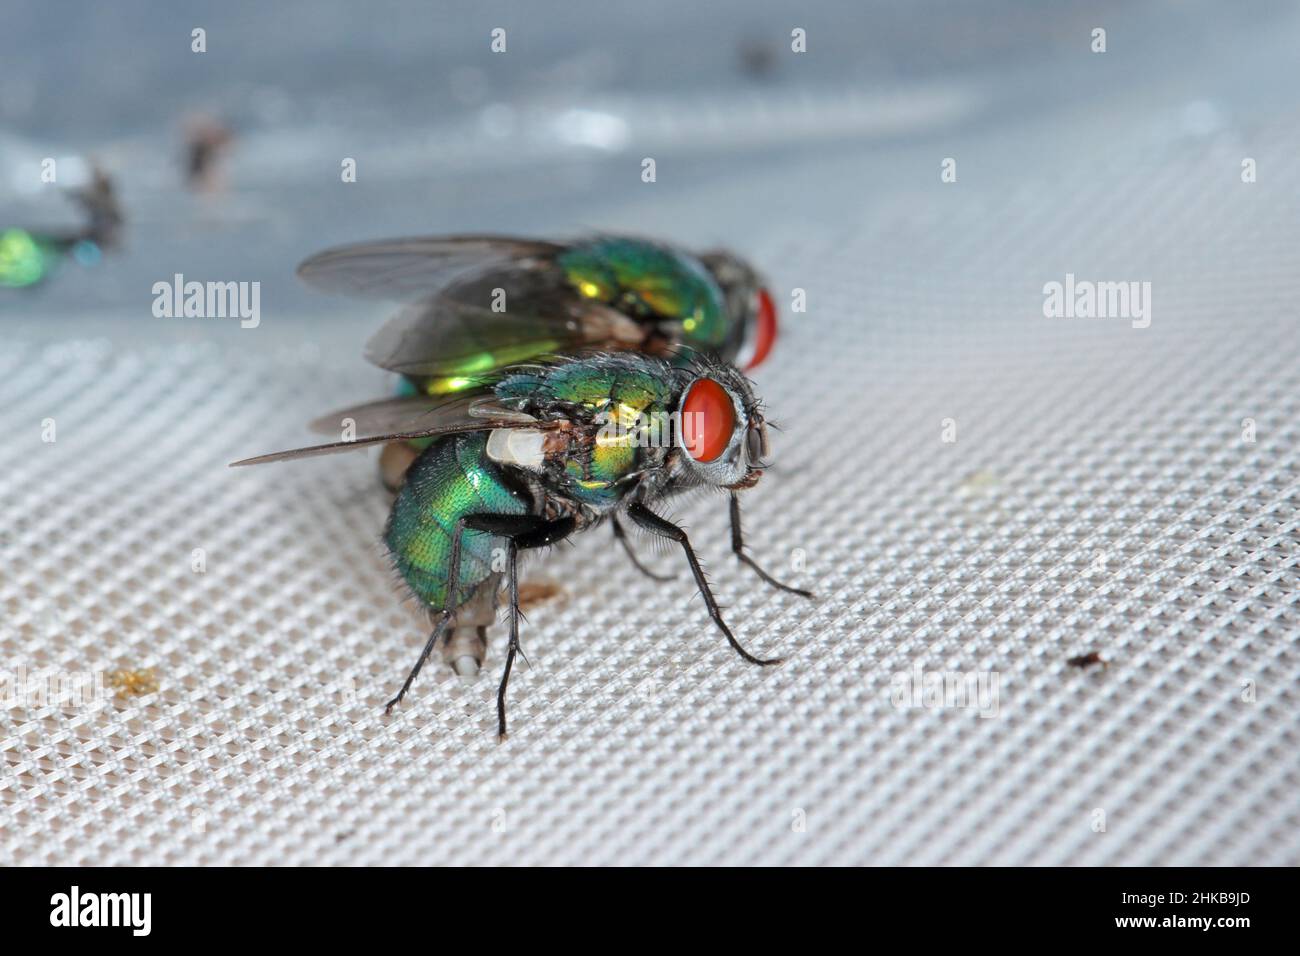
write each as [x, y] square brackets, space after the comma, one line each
[448, 337]
[406, 269]
[413, 413]
[333, 448]
[473, 304]
[408, 419]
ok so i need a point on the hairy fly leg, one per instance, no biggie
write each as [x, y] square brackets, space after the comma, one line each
[521, 533]
[738, 546]
[444, 617]
[621, 535]
[666, 529]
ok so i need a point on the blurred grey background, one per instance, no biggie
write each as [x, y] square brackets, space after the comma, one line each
[547, 138]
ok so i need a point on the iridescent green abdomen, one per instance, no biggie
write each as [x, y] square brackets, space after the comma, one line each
[643, 279]
[451, 479]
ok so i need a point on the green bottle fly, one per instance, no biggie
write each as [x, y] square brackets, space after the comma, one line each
[546, 450]
[477, 304]
[29, 257]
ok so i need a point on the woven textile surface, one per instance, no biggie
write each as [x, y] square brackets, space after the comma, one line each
[977, 492]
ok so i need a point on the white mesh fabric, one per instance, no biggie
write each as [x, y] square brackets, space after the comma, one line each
[1099, 496]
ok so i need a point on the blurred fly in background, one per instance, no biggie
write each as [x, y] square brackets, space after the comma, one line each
[207, 143]
[476, 304]
[30, 256]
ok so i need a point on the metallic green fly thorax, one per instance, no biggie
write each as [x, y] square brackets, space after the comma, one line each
[631, 396]
[644, 279]
[595, 383]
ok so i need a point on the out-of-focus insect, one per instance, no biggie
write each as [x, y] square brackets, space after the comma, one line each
[207, 139]
[476, 304]
[30, 256]
[547, 450]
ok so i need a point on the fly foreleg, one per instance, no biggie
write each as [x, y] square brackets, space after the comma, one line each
[738, 547]
[521, 532]
[666, 529]
[621, 535]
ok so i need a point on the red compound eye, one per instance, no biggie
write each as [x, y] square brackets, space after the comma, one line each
[708, 420]
[764, 329]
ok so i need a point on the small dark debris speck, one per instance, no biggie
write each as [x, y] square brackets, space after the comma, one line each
[1087, 660]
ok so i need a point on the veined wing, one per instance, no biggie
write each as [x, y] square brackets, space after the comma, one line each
[413, 413]
[444, 336]
[474, 304]
[408, 269]
[472, 413]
